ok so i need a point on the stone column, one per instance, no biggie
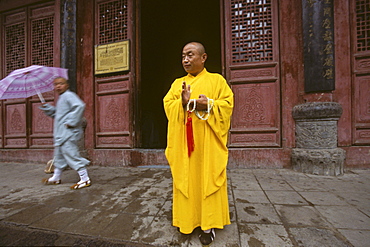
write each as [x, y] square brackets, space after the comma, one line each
[316, 149]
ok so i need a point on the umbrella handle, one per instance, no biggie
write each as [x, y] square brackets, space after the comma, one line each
[38, 93]
[41, 98]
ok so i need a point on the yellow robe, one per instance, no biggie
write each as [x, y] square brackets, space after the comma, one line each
[199, 181]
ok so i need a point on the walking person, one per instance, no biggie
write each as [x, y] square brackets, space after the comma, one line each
[67, 116]
[198, 107]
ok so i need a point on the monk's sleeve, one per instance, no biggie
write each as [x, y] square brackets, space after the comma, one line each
[176, 151]
[216, 149]
[49, 110]
[221, 112]
[173, 104]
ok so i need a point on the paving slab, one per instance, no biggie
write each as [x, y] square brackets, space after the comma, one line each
[248, 196]
[250, 184]
[59, 219]
[264, 235]
[257, 213]
[275, 184]
[313, 237]
[322, 198]
[286, 197]
[31, 214]
[345, 217]
[294, 216]
[358, 238]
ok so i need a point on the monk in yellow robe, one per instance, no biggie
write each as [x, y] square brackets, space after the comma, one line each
[198, 107]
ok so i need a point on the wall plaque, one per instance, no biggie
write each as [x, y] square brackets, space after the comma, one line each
[113, 57]
[318, 37]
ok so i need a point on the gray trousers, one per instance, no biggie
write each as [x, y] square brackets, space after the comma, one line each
[68, 154]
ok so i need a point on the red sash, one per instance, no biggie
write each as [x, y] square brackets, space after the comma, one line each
[189, 134]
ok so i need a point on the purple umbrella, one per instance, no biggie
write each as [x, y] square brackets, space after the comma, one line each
[29, 81]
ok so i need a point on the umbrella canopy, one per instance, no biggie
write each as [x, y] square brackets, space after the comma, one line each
[29, 81]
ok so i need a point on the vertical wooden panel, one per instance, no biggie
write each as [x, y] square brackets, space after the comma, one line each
[113, 127]
[361, 61]
[16, 127]
[85, 61]
[113, 91]
[252, 56]
[42, 23]
[42, 128]
[28, 39]
[362, 110]
[15, 40]
[15, 114]
[42, 35]
[343, 69]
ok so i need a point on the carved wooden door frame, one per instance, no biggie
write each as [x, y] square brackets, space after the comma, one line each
[252, 68]
[30, 37]
[114, 92]
[360, 73]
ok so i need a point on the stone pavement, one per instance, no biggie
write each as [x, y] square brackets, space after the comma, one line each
[132, 207]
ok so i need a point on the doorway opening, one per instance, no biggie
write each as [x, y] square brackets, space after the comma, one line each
[166, 26]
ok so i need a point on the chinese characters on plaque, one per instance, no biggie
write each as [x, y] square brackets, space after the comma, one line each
[113, 57]
[318, 38]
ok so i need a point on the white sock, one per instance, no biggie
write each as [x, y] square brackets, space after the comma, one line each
[57, 174]
[207, 231]
[84, 176]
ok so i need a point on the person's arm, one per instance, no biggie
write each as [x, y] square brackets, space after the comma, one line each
[49, 110]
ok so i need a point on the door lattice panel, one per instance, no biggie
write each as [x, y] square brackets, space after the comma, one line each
[28, 40]
[112, 21]
[252, 64]
[15, 49]
[251, 31]
[113, 117]
[42, 41]
[363, 25]
[361, 71]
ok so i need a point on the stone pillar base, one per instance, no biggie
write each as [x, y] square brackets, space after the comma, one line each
[316, 149]
[328, 162]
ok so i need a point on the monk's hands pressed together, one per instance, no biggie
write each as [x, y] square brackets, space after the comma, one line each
[185, 93]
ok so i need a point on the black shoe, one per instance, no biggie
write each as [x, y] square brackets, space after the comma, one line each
[207, 238]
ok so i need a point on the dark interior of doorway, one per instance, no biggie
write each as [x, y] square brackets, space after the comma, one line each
[166, 26]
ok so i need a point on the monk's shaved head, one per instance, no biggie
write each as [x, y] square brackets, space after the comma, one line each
[199, 46]
[193, 58]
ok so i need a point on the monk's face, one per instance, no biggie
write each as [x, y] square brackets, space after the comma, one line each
[60, 85]
[192, 59]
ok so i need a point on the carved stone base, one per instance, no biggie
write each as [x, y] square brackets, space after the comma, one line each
[327, 162]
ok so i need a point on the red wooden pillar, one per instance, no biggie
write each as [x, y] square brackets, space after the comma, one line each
[85, 59]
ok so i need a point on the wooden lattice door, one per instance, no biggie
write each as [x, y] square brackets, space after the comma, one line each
[252, 69]
[29, 39]
[361, 71]
[113, 91]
